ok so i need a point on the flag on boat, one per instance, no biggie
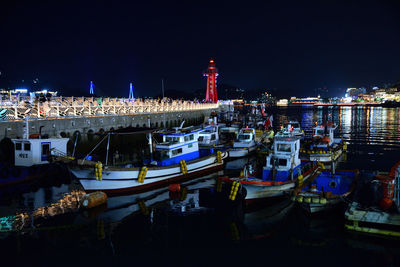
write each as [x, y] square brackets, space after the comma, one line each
[262, 112]
[268, 122]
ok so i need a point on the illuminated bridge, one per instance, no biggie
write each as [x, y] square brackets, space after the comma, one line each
[67, 116]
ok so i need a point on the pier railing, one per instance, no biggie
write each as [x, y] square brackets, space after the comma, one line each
[60, 107]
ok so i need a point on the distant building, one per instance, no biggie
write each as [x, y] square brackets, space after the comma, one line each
[304, 101]
[353, 92]
[282, 103]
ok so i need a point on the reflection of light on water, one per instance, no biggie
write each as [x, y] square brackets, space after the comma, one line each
[69, 203]
[369, 125]
[346, 122]
[307, 121]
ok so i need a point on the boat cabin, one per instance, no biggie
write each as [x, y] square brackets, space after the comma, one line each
[284, 161]
[245, 137]
[292, 128]
[232, 128]
[30, 152]
[209, 136]
[324, 134]
[294, 125]
[181, 145]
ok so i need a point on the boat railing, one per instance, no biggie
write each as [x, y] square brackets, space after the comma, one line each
[82, 106]
[58, 153]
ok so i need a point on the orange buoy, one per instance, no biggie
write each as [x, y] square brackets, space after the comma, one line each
[393, 169]
[94, 199]
[385, 203]
[325, 139]
[174, 187]
[387, 183]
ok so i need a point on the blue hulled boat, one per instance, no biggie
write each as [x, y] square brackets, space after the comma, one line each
[327, 190]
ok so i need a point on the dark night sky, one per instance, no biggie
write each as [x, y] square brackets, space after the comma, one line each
[294, 47]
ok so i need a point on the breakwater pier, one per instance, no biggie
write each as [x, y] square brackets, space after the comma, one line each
[69, 116]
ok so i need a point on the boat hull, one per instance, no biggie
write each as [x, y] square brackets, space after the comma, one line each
[372, 222]
[256, 193]
[241, 152]
[258, 189]
[323, 156]
[119, 180]
[317, 207]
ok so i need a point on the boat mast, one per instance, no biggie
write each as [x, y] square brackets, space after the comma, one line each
[150, 137]
[108, 148]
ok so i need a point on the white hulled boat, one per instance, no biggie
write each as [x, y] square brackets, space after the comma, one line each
[209, 136]
[323, 147]
[244, 144]
[176, 158]
[282, 172]
[35, 157]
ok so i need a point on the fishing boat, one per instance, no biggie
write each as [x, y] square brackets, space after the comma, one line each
[209, 136]
[244, 144]
[176, 158]
[326, 191]
[382, 215]
[230, 131]
[283, 171]
[323, 147]
[291, 128]
[35, 157]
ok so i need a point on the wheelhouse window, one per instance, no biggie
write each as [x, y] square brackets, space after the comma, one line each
[172, 139]
[176, 151]
[283, 147]
[244, 137]
[213, 137]
[319, 131]
[27, 146]
[18, 146]
[201, 138]
[45, 149]
[189, 137]
[278, 162]
[296, 125]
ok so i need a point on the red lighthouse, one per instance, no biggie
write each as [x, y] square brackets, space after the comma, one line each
[212, 74]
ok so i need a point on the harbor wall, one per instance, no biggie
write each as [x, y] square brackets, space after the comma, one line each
[86, 125]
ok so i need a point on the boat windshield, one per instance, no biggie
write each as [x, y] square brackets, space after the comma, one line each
[295, 125]
[278, 162]
[201, 138]
[244, 137]
[284, 147]
[172, 139]
[319, 131]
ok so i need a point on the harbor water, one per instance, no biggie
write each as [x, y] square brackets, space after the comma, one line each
[143, 229]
